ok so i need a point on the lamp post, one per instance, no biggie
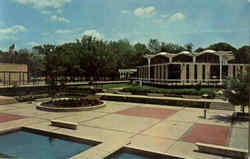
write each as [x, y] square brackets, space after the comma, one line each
[49, 73]
[220, 68]
[205, 105]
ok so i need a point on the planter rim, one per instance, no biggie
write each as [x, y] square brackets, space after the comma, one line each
[72, 109]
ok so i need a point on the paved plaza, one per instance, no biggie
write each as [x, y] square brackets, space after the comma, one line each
[165, 129]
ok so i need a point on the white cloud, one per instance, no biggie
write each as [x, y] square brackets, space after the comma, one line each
[59, 11]
[157, 21]
[147, 11]
[44, 3]
[125, 11]
[59, 19]
[32, 43]
[93, 33]
[46, 12]
[13, 30]
[63, 31]
[2, 23]
[164, 15]
[8, 37]
[177, 16]
[249, 1]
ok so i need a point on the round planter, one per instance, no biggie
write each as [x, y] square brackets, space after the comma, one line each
[69, 109]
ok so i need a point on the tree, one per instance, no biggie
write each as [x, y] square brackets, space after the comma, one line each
[141, 48]
[189, 47]
[171, 47]
[237, 91]
[241, 55]
[154, 46]
[200, 49]
[222, 46]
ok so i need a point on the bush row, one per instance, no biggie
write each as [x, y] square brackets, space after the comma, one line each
[146, 89]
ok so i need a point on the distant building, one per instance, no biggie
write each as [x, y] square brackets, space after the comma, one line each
[126, 73]
[185, 68]
[11, 73]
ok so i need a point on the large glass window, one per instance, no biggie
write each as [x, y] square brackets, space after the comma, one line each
[174, 71]
[187, 71]
[234, 72]
[195, 71]
[215, 71]
[203, 72]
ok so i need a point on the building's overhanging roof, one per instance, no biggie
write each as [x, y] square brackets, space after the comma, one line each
[225, 54]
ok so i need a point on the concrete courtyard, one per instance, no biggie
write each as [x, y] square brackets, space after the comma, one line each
[165, 129]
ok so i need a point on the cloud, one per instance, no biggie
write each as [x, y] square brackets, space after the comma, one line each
[93, 33]
[164, 15]
[59, 11]
[63, 31]
[147, 11]
[157, 21]
[125, 11]
[249, 1]
[46, 12]
[177, 16]
[8, 37]
[32, 43]
[13, 30]
[44, 3]
[59, 19]
[2, 23]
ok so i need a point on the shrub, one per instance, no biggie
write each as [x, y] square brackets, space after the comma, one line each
[237, 91]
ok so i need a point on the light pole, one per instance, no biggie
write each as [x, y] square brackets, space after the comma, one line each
[220, 68]
[49, 73]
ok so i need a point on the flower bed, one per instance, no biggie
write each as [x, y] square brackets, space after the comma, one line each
[71, 104]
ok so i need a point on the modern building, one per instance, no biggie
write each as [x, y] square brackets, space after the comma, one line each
[125, 74]
[13, 73]
[208, 67]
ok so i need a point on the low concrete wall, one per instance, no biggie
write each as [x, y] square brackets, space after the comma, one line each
[64, 124]
[222, 150]
[153, 100]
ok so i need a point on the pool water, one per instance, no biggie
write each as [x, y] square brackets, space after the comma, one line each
[128, 153]
[125, 155]
[28, 145]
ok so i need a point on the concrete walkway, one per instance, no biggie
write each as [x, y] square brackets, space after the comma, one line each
[7, 100]
[165, 129]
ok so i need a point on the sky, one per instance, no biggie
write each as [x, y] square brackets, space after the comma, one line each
[27, 23]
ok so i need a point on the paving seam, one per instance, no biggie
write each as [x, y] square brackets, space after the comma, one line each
[159, 137]
[140, 132]
[172, 146]
[187, 131]
[229, 135]
[98, 117]
[128, 132]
